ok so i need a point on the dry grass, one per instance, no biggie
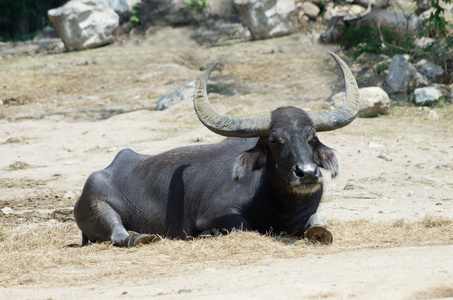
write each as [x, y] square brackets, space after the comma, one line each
[38, 254]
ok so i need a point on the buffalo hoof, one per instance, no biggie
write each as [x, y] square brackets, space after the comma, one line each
[137, 239]
[318, 234]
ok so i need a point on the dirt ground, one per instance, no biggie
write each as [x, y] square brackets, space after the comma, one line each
[66, 115]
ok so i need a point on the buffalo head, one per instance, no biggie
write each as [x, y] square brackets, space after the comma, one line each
[287, 142]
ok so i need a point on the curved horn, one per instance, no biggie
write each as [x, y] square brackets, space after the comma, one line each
[223, 125]
[347, 111]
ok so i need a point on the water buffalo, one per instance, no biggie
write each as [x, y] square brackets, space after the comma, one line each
[400, 23]
[264, 177]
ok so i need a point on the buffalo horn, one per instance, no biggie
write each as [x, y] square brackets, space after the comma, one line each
[347, 111]
[223, 125]
[260, 126]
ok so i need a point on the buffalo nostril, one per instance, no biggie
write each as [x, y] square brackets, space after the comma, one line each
[307, 173]
[299, 173]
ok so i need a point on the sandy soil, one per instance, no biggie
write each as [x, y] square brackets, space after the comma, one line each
[66, 115]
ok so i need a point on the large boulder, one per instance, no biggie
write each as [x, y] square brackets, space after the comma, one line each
[402, 78]
[84, 24]
[267, 18]
[373, 101]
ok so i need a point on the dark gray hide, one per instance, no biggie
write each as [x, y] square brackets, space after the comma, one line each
[400, 23]
[269, 182]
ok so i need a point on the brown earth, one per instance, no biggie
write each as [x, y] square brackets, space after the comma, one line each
[66, 115]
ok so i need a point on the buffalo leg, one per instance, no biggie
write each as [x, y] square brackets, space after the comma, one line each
[315, 230]
[102, 223]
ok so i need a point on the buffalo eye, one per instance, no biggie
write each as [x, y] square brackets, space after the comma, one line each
[313, 140]
[275, 139]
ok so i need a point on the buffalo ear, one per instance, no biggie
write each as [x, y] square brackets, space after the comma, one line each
[248, 162]
[326, 158]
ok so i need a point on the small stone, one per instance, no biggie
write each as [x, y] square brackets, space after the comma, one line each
[352, 185]
[386, 158]
[373, 145]
[432, 179]
[69, 195]
[433, 115]
[7, 210]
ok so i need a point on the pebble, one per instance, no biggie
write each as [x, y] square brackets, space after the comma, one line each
[373, 145]
[7, 210]
[432, 115]
[384, 157]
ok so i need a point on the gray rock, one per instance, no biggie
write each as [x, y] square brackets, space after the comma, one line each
[402, 78]
[168, 12]
[183, 94]
[267, 18]
[123, 8]
[84, 24]
[432, 71]
[423, 5]
[217, 84]
[350, 185]
[423, 42]
[375, 3]
[311, 10]
[373, 101]
[427, 95]
[222, 8]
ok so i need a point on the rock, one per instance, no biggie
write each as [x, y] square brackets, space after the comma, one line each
[47, 33]
[311, 10]
[183, 94]
[423, 42]
[7, 210]
[373, 101]
[84, 24]
[432, 179]
[427, 95]
[432, 71]
[332, 10]
[376, 3]
[123, 8]
[350, 185]
[221, 9]
[423, 5]
[384, 157]
[432, 115]
[402, 78]
[267, 18]
[169, 12]
[373, 145]
[69, 195]
[216, 85]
